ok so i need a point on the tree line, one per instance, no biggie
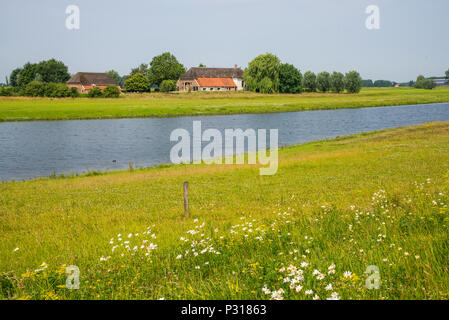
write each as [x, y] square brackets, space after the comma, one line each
[266, 74]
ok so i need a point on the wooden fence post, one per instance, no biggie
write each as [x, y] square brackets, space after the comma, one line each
[186, 199]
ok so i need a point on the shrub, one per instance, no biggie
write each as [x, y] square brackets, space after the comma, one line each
[353, 82]
[137, 83]
[34, 89]
[6, 91]
[57, 90]
[309, 81]
[111, 91]
[167, 86]
[74, 92]
[95, 93]
[323, 81]
[423, 83]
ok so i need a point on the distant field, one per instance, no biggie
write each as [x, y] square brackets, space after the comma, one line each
[333, 209]
[194, 104]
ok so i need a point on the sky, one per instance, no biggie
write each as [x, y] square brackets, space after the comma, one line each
[316, 35]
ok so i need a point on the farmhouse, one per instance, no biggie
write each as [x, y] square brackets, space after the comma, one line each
[212, 79]
[85, 81]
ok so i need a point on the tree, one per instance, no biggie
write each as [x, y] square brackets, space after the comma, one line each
[290, 79]
[137, 83]
[323, 81]
[447, 74]
[337, 83]
[26, 75]
[13, 78]
[167, 86]
[49, 71]
[165, 67]
[367, 83]
[201, 65]
[143, 69]
[111, 91]
[52, 71]
[114, 75]
[353, 82]
[423, 83]
[383, 83]
[262, 74]
[309, 81]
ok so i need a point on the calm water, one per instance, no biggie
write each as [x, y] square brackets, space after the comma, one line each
[41, 148]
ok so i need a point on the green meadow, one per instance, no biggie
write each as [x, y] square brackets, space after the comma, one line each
[195, 104]
[335, 209]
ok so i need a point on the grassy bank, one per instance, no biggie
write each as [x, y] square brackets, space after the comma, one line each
[173, 105]
[334, 206]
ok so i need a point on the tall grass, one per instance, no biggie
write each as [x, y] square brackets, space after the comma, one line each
[311, 231]
[195, 104]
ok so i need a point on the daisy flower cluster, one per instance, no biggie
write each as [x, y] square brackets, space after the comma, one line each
[130, 244]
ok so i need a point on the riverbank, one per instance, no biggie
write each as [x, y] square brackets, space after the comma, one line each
[196, 104]
[337, 206]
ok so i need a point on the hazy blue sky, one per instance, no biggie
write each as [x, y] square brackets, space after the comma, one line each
[314, 35]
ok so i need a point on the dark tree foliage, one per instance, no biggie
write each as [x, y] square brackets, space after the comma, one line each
[290, 79]
[49, 71]
[165, 67]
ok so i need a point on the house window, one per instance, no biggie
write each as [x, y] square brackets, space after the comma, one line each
[211, 89]
[204, 89]
[218, 89]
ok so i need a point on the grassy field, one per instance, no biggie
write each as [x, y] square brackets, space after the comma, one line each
[333, 209]
[172, 105]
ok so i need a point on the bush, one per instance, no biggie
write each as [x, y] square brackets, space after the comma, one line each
[167, 86]
[137, 83]
[309, 81]
[6, 91]
[95, 93]
[353, 82]
[423, 83]
[323, 81]
[57, 90]
[111, 91]
[35, 89]
[74, 92]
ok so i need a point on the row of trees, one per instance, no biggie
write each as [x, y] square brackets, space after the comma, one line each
[378, 83]
[266, 74]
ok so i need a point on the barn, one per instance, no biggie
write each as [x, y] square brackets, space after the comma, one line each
[211, 79]
[85, 81]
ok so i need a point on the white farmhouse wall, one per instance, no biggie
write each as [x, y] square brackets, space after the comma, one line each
[239, 83]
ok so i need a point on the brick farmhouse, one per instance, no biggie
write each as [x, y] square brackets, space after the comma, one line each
[85, 81]
[212, 79]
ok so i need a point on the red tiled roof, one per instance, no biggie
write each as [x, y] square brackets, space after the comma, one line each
[216, 82]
